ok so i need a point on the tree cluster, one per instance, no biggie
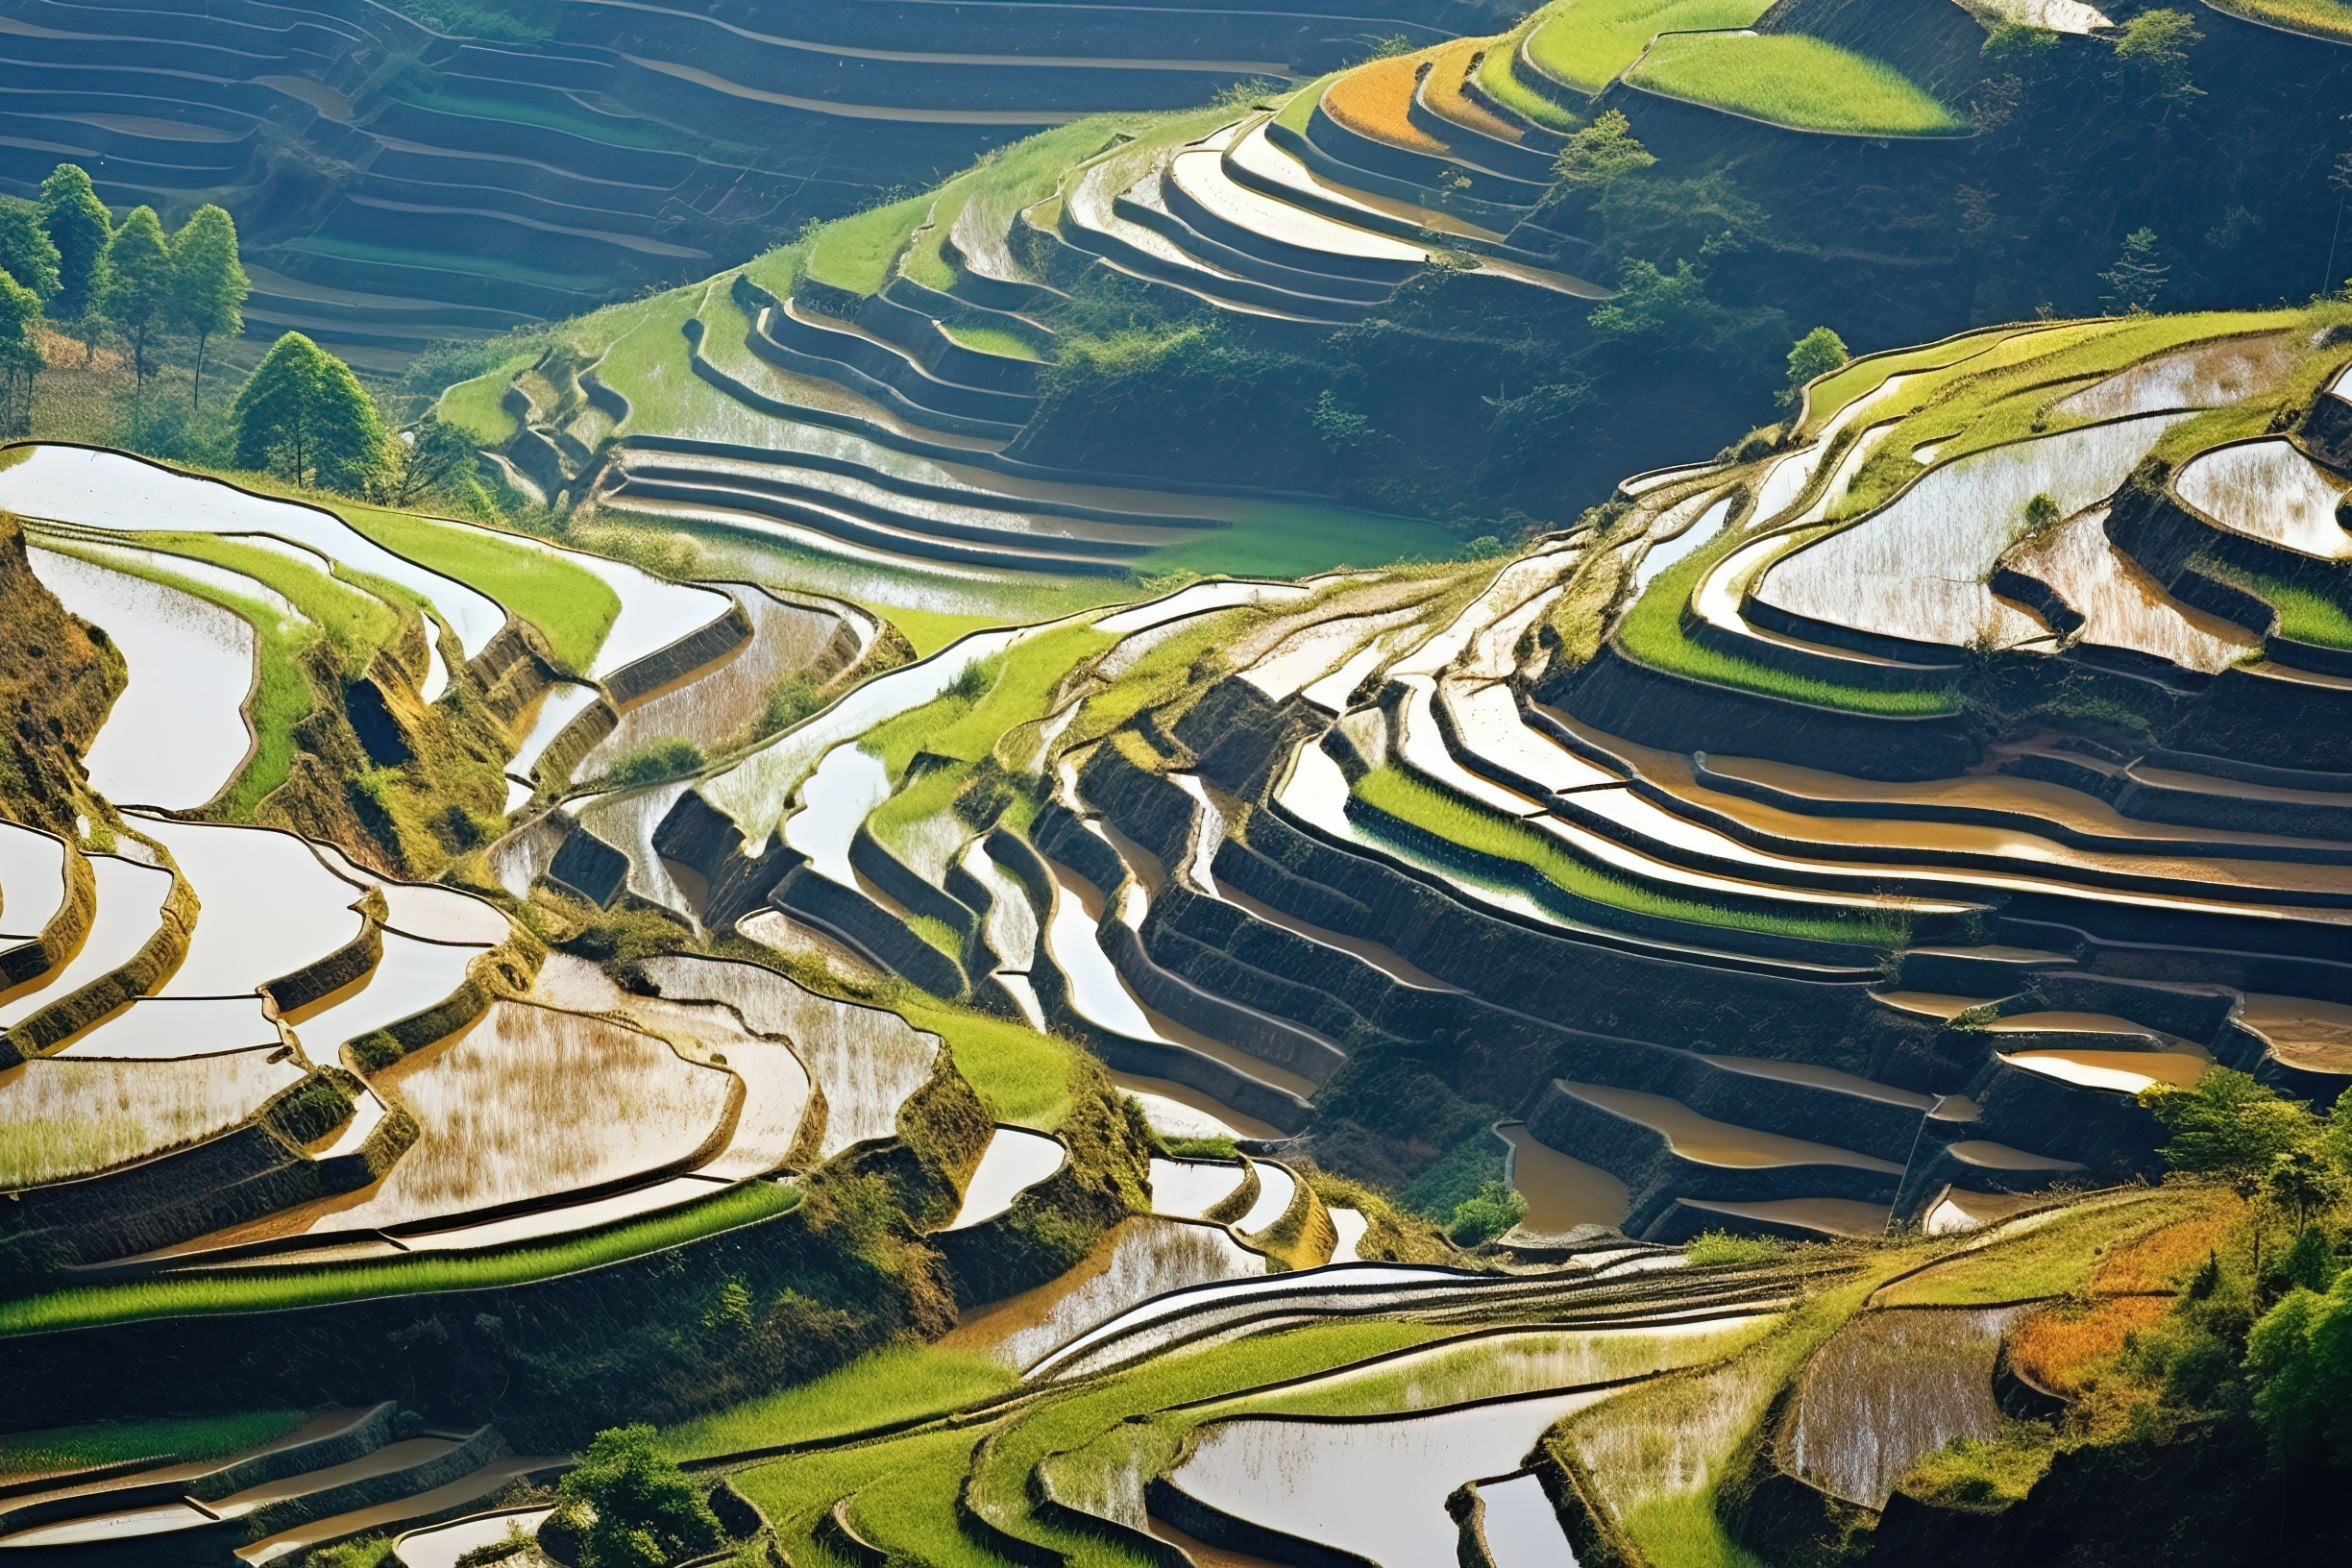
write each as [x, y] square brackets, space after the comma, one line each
[67, 260]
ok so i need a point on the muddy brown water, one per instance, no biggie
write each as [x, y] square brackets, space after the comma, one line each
[1562, 1191]
[2312, 1034]
[1713, 1143]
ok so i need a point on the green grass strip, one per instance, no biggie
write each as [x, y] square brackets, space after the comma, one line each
[1652, 632]
[897, 1382]
[1498, 74]
[187, 1439]
[965, 724]
[276, 1289]
[1586, 42]
[356, 621]
[1403, 795]
[571, 606]
[1789, 79]
[2307, 614]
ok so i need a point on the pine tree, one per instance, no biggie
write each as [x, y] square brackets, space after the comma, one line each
[208, 283]
[301, 413]
[78, 225]
[134, 294]
[2137, 280]
[25, 252]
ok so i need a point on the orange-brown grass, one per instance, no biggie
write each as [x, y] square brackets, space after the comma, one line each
[1371, 100]
[1448, 65]
[2058, 1346]
[2157, 1262]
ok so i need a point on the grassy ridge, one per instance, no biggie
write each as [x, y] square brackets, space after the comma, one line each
[2321, 18]
[1409, 799]
[1789, 79]
[477, 408]
[897, 1382]
[570, 606]
[275, 1290]
[855, 253]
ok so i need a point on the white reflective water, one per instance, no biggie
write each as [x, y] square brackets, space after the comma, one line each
[1015, 1159]
[177, 734]
[109, 490]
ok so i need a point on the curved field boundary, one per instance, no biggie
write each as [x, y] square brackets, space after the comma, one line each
[1624, 81]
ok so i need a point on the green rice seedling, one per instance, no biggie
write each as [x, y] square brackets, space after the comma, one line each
[796, 1492]
[570, 606]
[357, 620]
[1300, 107]
[1790, 79]
[1652, 632]
[999, 694]
[276, 1289]
[897, 1382]
[185, 1438]
[2306, 614]
[855, 253]
[1586, 42]
[992, 340]
[1403, 795]
[476, 409]
[1022, 1076]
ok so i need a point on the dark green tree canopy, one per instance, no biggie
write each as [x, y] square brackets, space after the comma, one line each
[78, 226]
[645, 1512]
[208, 283]
[1818, 353]
[302, 414]
[26, 250]
[135, 292]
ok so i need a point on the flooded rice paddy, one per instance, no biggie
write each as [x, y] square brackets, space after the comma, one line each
[1562, 1191]
[177, 735]
[62, 1118]
[1890, 1386]
[1015, 1160]
[130, 910]
[268, 907]
[1140, 1258]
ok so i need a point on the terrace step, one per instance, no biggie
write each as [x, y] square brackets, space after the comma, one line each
[435, 1505]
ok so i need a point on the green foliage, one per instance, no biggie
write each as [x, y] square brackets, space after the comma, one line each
[791, 699]
[1978, 1477]
[645, 1512]
[2138, 279]
[654, 764]
[1714, 1247]
[1815, 355]
[992, 340]
[2300, 1357]
[2230, 1126]
[2154, 55]
[2041, 514]
[1202, 1148]
[209, 287]
[1601, 155]
[1341, 427]
[274, 1289]
[1791, 79]
[304, 415]
[367, 1552]
[1486, 1214]
[2016, 40]
[136, 294]
[1021, 1076]
[184, 1437]
[78, 226]
[435, 457]
[27, 254]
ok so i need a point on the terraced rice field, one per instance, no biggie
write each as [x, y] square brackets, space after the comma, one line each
[64, 1119]
[1793, 80]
